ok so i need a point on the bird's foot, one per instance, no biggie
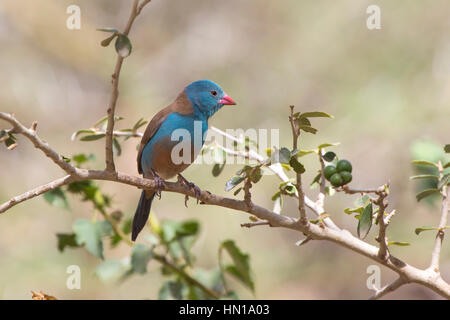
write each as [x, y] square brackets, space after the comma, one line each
[160, 185]
[191, 185]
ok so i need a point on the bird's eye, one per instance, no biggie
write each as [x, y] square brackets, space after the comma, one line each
[214, 92]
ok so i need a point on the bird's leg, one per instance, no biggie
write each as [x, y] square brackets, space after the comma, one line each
[159, 183]
[190, 185]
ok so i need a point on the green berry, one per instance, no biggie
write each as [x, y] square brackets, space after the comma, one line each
[336, 180]
[344, 165]
[329, 171]
[346, 177]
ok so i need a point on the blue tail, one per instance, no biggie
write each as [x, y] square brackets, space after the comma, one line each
[142, 213]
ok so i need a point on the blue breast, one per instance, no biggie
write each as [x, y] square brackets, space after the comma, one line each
[172, 130]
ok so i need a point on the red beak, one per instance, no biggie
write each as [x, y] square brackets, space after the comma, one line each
[226, 100]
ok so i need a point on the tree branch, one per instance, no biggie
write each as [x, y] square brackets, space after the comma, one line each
[35, 192]
[301, 194]
[109, 157]
[37, 142]
[435, 256]
[382, 204]
[343, 238]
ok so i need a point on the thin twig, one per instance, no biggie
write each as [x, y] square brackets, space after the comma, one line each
[348, 190]
[435, 256]
[35, 192]
[388, 288]
[255, 224]
[109, 157]
[301, 195]
[382, 204]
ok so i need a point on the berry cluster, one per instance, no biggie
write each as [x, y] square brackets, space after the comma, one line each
[340, 174]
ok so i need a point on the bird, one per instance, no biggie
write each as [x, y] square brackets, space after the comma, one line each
[158, 158]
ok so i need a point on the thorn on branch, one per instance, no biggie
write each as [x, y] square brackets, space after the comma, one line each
[255, 224]
[34, 126]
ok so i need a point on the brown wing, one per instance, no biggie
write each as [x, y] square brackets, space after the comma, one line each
[150, 131]
[180, 105]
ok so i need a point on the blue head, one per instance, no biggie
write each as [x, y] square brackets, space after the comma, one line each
[207, 97]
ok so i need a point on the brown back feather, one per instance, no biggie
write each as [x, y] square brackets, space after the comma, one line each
[181, 105]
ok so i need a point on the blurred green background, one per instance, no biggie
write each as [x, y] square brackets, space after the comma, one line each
[386, 88]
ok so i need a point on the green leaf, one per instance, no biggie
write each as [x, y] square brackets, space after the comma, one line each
[424, 176]
[113, 30]
[365, 221]
[116, 146]
[304, 122]
[398, 243]
[419, 230]
[3, 135]
[217, 169]
[281, 156]
[302, 153]
[140, 257]
[79, 186]
[278, 202]
[169, 230]
[245, 170]
[233, 182]
[104, 121]
[76, 134]
[171, 289]
[237, 191]
[10, 143]
[308, 129]
[93, 137]
[105, 42]
[445, 180]
[82, 158]
[126, 229]
[66, 240]
[57, 198]
[173, 229]
[90, 235]
[361, 201]
[139, 124]
[256, 175]
[276, 196]
[426, 193]
[424, 163]
[329, 156]
[326, 145]
[316, 178]
[447, 165]
[188, 228]
[296, 165]
[354, 210]
[447, 148]
[241, 264]
[123, 46]
[112, 270]
[209, 278]
[315, 114]
[288, 187]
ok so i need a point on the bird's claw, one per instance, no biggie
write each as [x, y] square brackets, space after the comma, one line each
[160, 185]
[191, 185]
